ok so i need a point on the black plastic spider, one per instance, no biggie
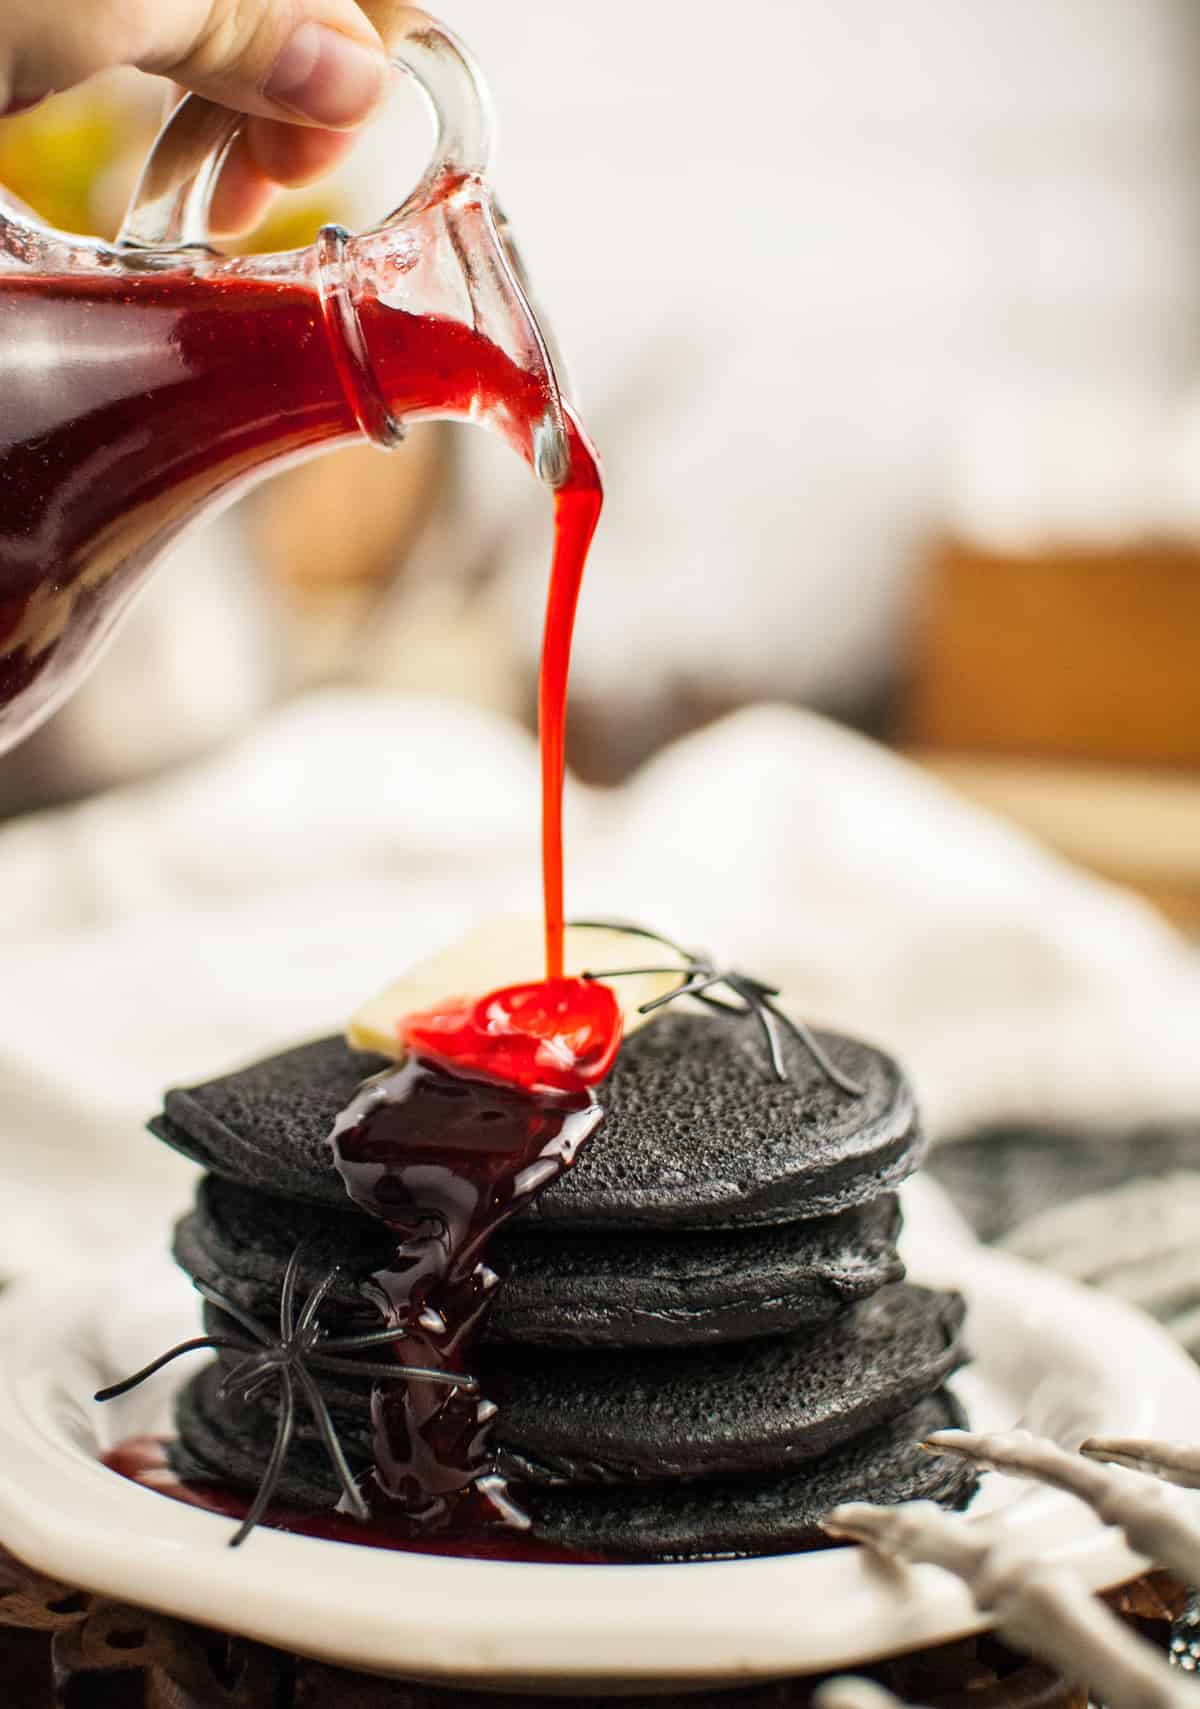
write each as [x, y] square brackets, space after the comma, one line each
[300, 1349]
[698, 976]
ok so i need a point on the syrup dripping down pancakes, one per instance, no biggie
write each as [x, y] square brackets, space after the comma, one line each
[697, 1340]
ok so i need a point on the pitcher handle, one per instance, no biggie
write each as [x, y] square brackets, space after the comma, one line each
[170, 206]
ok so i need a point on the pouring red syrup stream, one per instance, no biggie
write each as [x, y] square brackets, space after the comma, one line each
[466, 366]
[576, 512]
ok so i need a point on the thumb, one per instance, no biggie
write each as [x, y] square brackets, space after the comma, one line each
[319, 61]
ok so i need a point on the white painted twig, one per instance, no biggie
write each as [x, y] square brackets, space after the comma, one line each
[851, 1691]
[1155, 1526]
[1042, 1609]
[1173, 1462]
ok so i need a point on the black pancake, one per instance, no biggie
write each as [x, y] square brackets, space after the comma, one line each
[645, 1288]
[565, 1287]
[696, 1132]
[627, 1417]
[762, 1515]
[757, 1515]
[735, 1409]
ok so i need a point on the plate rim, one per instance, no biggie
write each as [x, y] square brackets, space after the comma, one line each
[657, 1624]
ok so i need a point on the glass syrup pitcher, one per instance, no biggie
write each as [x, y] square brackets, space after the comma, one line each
[144, 383]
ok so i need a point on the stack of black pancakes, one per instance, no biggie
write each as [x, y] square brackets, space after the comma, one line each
[702, 1342]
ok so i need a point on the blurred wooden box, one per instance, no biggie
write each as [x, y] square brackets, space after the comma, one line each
[1061, 690]
[1071, 654]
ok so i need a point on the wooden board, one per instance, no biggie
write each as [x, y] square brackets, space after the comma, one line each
[1060, 655]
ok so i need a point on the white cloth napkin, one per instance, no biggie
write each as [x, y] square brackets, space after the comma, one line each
[170, 931]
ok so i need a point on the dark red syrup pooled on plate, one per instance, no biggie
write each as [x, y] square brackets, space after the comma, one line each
[145, 1460]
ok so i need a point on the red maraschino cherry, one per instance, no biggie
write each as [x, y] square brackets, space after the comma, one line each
[558, 1035]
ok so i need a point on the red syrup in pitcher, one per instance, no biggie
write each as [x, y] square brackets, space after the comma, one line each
[129, 402]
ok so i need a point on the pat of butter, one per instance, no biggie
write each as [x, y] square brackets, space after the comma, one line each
[513, 952]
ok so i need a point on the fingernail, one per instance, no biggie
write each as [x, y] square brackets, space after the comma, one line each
[326, 77]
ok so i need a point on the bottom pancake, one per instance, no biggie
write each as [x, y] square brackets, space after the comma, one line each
[763, 1515]
[730, 1517]
[645, 1416]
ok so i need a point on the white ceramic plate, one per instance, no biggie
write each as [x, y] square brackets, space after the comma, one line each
[1055, 1356]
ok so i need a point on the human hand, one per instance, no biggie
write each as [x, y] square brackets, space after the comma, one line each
[306, 70]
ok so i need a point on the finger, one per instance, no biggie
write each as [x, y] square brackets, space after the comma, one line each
[319, 62]
[243, 193]
[266, 155]
[295, 154]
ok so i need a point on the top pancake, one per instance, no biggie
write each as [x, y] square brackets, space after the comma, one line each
[696, 1131]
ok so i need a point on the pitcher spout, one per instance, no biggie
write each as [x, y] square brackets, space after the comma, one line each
[431, 318]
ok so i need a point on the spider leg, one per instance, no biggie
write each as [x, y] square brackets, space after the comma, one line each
[808, 1040]
[270, 1479]
[770, 1031]
[316, 1300]
[704, 978]
[114, 1390]
[699, 980]
[711, 1002]
[329, 1436]
[627, 972]
[352, 1343]
[1170, 1461]
[756, 997]
[249, 1372]
[254, 1329]
[287, 1295]
[255, 1388]
[698, 986]
[379, 1372]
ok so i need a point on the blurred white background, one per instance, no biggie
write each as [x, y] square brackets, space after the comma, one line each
[794, 251]
[829, 277]
[835, 282]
